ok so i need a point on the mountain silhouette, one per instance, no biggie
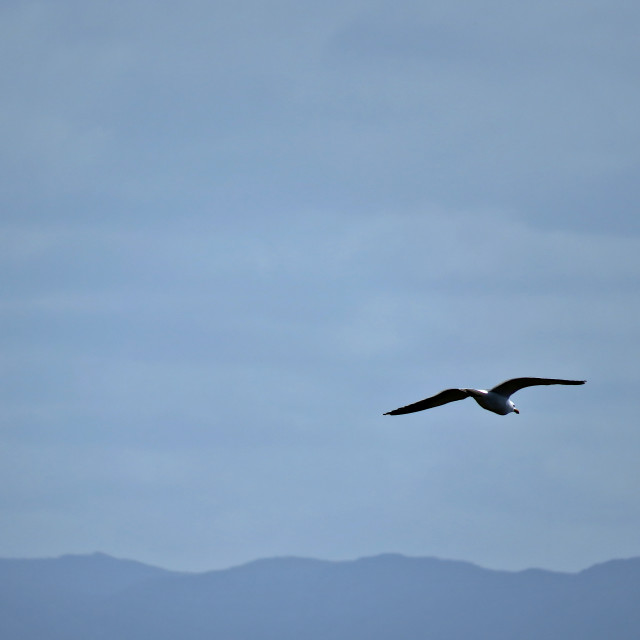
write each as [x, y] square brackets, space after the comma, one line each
[97, 597]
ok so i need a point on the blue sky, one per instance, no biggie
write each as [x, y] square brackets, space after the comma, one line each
[234, 234]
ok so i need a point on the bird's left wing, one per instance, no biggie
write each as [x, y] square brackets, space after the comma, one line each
[511, 386]
[444, 397]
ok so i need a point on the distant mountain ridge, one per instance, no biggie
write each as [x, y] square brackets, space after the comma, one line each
[97, 597]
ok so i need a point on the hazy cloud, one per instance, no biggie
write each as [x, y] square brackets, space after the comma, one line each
[234, 235]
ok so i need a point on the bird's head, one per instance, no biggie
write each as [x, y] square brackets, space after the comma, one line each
[513, 407]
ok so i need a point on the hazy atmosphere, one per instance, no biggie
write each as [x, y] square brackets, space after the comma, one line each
[234, 234]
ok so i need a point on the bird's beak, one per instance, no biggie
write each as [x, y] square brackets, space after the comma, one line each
[515, 411]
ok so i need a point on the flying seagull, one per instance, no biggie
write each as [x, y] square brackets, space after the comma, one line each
[496, 399]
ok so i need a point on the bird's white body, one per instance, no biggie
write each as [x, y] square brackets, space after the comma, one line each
[492, 401]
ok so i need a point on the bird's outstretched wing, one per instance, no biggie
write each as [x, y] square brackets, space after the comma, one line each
[511, 386]
[448, 395]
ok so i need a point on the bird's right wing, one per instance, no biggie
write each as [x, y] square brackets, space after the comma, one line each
[444, 397]
[509, 387]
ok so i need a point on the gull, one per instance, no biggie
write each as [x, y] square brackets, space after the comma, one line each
[496, 399]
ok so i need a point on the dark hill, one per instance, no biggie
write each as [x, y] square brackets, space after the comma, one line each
[384, 597]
